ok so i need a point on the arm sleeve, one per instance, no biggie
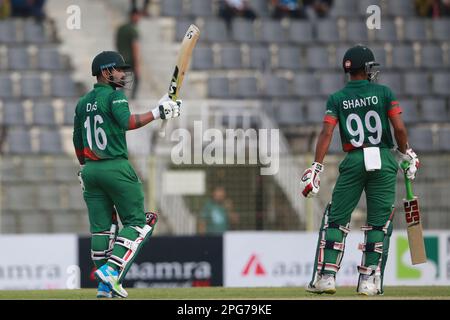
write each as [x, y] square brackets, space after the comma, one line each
[120, 109]
[331, 112]
[392, 104]
[77, 137]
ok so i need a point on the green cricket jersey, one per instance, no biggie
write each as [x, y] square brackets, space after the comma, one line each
[100, 124]
[362, 109]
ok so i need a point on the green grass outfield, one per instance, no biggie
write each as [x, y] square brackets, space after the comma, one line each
[219, 293]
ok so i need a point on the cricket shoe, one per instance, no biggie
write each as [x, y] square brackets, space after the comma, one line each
[104, 291]
[110, 277]
[367, 286]
[326, 284]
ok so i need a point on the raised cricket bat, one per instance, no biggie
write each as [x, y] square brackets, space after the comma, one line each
[414, 225]
[184, 58]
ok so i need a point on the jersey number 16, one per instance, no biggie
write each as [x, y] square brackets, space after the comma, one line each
[99, 133]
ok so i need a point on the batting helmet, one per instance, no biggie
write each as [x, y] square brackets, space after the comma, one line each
[108, 59]
[360, 57]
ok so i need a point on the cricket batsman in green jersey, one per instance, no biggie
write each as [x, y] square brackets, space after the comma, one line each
[363, 111]
[108, 180]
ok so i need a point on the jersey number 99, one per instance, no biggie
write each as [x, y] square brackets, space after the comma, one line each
[358, 133]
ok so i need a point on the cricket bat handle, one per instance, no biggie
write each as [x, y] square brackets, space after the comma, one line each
[408, 184]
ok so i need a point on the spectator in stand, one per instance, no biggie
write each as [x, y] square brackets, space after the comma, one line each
[127, 43]
[28, 8]
[288, 9]
[217, 215]
[5, 9]
[432, 8]
[318, 8]
[144, 8]
[229, 9]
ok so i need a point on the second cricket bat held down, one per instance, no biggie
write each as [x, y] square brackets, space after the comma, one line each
[184, 58]
[414, 225]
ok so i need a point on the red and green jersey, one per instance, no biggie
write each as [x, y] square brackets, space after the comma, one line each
[362, 109]
[100, 123]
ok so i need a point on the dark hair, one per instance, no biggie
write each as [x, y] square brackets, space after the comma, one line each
[134, 11]
[357, 71]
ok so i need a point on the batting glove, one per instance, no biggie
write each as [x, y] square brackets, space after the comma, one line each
[413, 163]
[167, 110]
[310, 181]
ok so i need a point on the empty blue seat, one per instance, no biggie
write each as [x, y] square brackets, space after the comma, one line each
[202, 58]
[218, 87]
[441, 82]
[50, 141]
[32, 86]
[434, 110]
[63, 86]
[231, 57]
[315, 110]
[289, 57]
[259, 57]
[19, 141]
[6, 87]
[43, 113]
[13, 113]
[247, 87]
[417, 83]
[290, 113]
[301, 32]
[18, 58]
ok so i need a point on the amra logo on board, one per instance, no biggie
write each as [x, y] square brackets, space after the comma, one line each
[405, 271]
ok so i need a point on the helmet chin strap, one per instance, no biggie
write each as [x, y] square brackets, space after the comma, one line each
[121, 83]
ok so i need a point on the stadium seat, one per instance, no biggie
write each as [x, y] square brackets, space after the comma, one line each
[277, 87]
[9, 222]
[19, 197]
[202, 58]
[356, 31]
[441, 83]
[6, 87]
[331, 82]
[432, 57]
[69, 111]
[380, 55]
[246, 87]
[35, 169]
[43, 113]
[11, 169]
[261, 8]
[63, 221]
[416, 83]
[305, 85]
[444, 139]
[400, 8]
[243, 31]
[49, 59]
[31, 86]
[19, 141]
[421, 139]
[76, 201]
[272, 32]
[201, 8]
[410, 113]
[388, 32]
[315, 110]
[65, 169]
[172, 8]
[50, 141]
[181, 26]
[343, 8]
[8, 31]
[18, 58]
[300, 32]
[231, 56]
[35, 32]
[259, 57]
[440, 29]
[327, 30]
[290, 113]
[63, 85]
[33, 221]
[434, 110]
[415, 30]
[13, 113]
[317, 58]
[335, 145]
[49, 197]
[218, 87]
[214, 31]
[393, 80]
[289, 57]
[403, 57]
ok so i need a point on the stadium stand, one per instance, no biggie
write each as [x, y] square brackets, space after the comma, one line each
[287, 66]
